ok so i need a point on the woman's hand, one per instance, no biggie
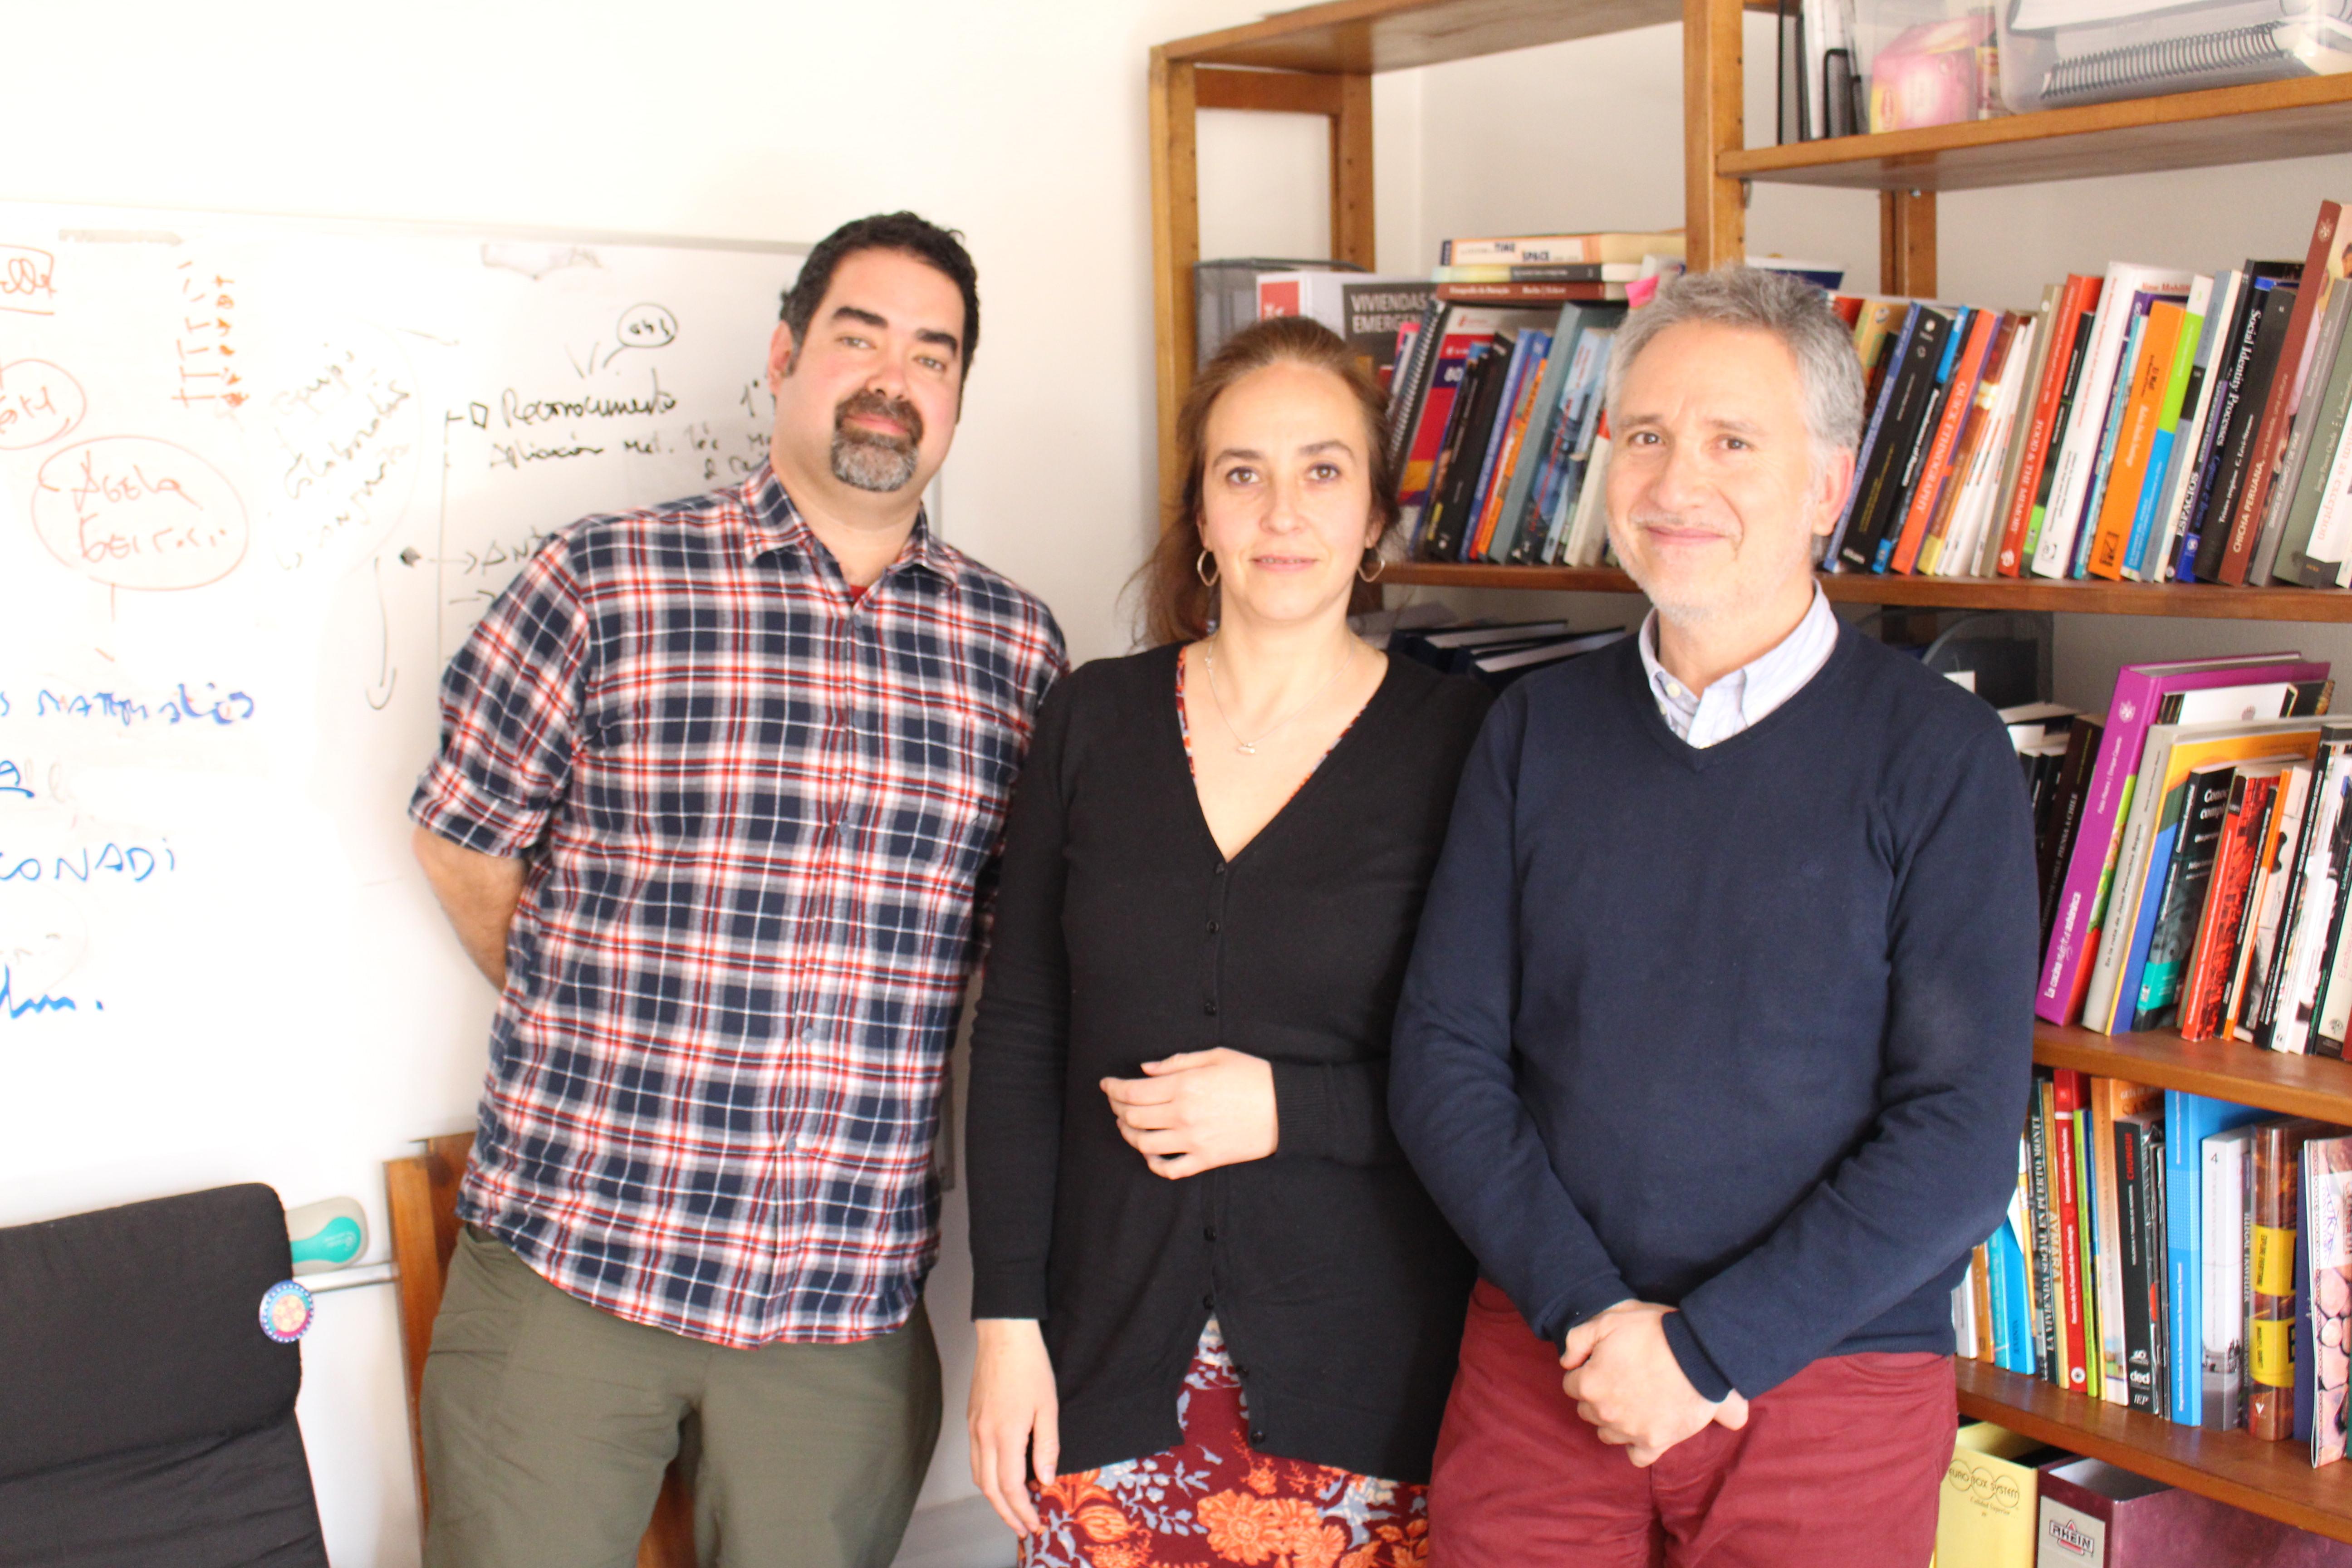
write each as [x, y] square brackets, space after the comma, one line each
[1014, 1415]
[1198, 1110]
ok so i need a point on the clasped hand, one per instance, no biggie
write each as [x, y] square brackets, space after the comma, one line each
[1626, 1381]
[1197, 1110]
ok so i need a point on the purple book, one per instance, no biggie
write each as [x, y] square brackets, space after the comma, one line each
[2140, 689]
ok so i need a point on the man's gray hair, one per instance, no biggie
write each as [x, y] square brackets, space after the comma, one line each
[1781, 304]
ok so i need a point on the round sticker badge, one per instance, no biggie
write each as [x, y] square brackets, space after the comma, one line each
[286, 1310]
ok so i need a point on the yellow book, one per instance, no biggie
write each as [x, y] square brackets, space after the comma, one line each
[1985, 1514]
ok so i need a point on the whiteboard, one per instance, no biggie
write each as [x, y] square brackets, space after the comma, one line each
[257, 480]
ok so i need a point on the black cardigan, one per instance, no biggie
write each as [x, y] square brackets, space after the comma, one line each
[1123, 936]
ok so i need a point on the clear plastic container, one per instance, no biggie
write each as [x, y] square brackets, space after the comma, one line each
[1937, 62]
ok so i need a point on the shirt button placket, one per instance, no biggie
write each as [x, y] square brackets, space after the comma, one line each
[1213, 951]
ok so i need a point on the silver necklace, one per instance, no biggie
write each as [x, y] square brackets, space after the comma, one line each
[1249, 748]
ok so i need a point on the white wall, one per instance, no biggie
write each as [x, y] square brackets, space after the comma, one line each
[1588, 135]
[1023, 125]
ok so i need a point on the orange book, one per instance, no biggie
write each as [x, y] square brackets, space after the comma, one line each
[1972, 434]
[2082, 294]
[1935, 470]
[2143, 409]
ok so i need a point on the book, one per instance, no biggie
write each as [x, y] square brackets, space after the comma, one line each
[2223, 1367]
[2145, 547]
[1893, 354]
[1366, 309]
[2190, 440]
[2149, 380]
[1455, 474]
[1533, 293]
[1542, 272]
[2137, 1320]
[2281, 396]
[2086, 430]
[2190, 834]
[2055, 842]
[2265, 903]
[2327, 1285]
[2189, 1120]
[2007, 525]
[2069, 390]
[2231, 350]
[2060, 363]
[1903, 476]
[2266, 331]
[1976, 545]
[1459, 330]
[1985, 1510]
[2205, 998]
[2274, 1176]
[2064, 1099]
[2286, 529]
[1553, 250]
[2091, 1514]
[1537, 443]
[2315, 900]
[2321, 436]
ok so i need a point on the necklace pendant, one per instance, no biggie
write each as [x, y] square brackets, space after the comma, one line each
[1245, 748]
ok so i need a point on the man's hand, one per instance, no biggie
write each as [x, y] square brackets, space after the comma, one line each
[479, 893]
[1195, 1112]
[1626, 1381]
[1014, 1418]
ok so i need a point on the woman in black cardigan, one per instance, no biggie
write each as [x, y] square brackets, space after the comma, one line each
[1217, 1314]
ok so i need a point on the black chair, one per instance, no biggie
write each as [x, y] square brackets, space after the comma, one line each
[146, 1419]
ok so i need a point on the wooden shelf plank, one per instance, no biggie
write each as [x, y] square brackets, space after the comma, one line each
[2180, 130]
[1397, 35]
[2224, 1069]
[2274, 1480]
[2192, 599]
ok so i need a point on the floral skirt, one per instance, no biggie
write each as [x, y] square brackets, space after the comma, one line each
[1213, 1500]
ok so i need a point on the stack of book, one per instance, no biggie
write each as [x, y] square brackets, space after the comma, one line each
[2169, 1252]
[1499, 655]
[2192, 846]
[2151, 425]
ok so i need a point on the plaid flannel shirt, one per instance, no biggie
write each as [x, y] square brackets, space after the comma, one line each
[761, 813]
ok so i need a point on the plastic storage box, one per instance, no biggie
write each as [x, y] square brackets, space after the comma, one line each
[1936, 62]
[1224, 296]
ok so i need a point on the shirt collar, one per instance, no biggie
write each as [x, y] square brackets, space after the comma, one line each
[772, 522]
[1765, 682]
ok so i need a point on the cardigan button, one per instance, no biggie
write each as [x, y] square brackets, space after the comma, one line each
[1212, 928]
[1257, 1433]
[1210, 1008]
[1209, 1300]
[1209, 1233]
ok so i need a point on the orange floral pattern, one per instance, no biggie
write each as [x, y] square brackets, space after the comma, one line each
[1213, 1500]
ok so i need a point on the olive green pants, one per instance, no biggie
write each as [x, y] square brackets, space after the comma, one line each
[548, 1423]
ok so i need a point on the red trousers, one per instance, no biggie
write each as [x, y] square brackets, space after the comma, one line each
[1840, 1465]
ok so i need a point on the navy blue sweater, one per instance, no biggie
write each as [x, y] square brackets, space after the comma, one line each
[1745, 1030]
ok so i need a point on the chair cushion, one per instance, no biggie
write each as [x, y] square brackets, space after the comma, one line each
[137, 1327]
[239, 1501]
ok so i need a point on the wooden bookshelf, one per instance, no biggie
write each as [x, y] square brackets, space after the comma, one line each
[2207, 600]
[2272, 1478]
[2221, 1070]
[2182, 131]
[1321, 60]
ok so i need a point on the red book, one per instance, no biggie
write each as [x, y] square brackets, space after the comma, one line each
[1937, 472]
[2067, 1098]
[2082, 294]
[2286, 384]
[1530, 293]
[2206, 991]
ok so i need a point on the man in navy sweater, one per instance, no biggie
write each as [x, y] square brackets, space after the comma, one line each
[1716, 1039]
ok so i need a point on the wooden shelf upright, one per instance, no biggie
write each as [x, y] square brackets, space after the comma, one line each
[1321, 60]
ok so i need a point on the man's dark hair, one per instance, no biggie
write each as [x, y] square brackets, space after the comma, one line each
[900, 231]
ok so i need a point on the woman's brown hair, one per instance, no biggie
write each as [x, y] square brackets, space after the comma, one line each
[1176, 602]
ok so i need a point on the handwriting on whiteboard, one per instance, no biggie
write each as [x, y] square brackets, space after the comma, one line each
[204, 703]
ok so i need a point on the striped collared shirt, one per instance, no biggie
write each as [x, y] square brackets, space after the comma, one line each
[761, 812]
[1742, 698]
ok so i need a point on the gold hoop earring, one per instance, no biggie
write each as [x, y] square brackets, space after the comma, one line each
[1380, 565]
[1200, 570]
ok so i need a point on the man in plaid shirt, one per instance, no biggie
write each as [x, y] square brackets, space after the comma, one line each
[718, 795]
